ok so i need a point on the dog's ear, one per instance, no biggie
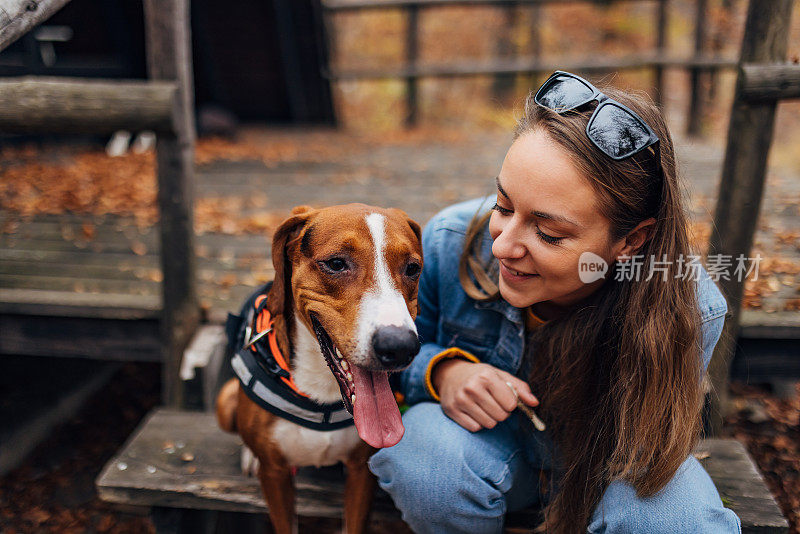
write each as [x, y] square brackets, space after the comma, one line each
[415, 228]
[281, 240]
[411, 222]
[299, 210]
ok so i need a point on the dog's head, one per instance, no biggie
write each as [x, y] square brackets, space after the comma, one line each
[350, 274]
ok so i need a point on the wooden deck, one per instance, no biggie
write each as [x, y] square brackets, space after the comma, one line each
[51, 268]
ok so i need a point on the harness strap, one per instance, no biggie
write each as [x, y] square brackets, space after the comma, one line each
[265, 375]
[266, 391]
[264, 321]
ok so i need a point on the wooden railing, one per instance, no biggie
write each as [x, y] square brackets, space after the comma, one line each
[657, 59]
[764, 78]
[164, 104]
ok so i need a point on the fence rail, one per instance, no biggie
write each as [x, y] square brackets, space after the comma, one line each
[528, 66]
[343, 5]
[699, 64]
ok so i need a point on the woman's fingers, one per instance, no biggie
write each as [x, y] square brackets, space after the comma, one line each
[478, 395]
[485, 396]
[503, 395]
[479, 415]
[485, 409]
[466, 421]
[521, 387]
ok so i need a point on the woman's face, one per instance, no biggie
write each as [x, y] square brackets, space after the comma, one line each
[546, 217]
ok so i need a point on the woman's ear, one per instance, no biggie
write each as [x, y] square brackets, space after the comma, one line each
[635, 240]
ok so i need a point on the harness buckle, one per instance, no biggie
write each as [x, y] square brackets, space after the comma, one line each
[256, 337]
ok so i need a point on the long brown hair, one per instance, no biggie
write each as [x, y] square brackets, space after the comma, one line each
[619, 375]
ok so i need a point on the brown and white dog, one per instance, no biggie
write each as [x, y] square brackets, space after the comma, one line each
[343, 303]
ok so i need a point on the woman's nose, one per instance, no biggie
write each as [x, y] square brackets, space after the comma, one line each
[507, 244]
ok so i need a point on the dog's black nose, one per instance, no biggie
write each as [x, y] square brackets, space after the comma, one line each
[395, 346]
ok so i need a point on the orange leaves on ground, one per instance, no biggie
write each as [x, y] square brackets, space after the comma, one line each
[88, 182]
[229, 215]
[88, 231]
[139, 248]
[792, 305]
[94, 183]
[773, 440]
[276, 150]
[778, 266]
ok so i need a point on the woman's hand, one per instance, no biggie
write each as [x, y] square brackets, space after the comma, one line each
[476, 395]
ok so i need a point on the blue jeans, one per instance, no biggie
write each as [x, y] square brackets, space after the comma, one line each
[446, 479]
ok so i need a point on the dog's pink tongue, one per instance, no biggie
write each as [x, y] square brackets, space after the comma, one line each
[375, 411]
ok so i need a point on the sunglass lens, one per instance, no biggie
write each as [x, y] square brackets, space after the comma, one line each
[616, 132]
[563, 93]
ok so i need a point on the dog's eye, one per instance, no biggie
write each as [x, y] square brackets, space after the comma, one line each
[335, 265]
[413, 269]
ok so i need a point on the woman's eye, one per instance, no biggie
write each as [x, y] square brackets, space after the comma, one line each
[335, 265]
[413, 269]
[501, 210]
[548, 238]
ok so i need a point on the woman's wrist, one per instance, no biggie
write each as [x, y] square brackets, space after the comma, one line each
[441, 371]
[451, 354]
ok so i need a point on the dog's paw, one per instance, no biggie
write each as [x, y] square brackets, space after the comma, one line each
[250, 463]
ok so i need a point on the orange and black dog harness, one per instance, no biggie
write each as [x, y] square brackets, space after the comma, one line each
[265, 375]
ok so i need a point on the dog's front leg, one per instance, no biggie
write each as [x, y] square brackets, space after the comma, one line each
[359, 491]
[277, 483]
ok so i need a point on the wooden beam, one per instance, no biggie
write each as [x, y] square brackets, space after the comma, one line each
[67, 105]
[770, 82]
[766, 39]
[169, 57]
[529, 64]
[357, 5]
[18, 17]
[80, 337]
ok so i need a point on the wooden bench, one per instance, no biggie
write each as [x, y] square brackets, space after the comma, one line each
[178, 462]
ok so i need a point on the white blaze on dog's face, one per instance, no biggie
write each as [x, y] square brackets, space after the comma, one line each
[354, 279]
[382, 307]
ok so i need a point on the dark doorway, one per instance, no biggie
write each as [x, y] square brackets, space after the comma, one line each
[260, 60]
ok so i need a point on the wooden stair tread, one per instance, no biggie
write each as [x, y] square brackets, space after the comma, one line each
[182, 459]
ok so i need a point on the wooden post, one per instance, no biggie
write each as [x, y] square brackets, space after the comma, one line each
[503, 84]
[749, 137]
[695, 119]
[535, 12]
[18, 17]
[718, 41]
[661, 45]
[412, 52]
[169, 57]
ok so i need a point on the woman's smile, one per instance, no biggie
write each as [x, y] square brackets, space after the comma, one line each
[513, 275]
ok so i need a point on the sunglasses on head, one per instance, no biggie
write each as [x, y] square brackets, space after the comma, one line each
[613, 128]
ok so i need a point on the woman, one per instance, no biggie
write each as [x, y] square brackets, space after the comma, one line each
[615, 358]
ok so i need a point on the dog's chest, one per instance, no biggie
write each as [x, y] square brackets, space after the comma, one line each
[305, 447]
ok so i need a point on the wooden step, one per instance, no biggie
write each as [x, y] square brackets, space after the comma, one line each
[101, 326]
[182, 460]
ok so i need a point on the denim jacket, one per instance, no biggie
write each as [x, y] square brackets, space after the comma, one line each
[493, 331]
